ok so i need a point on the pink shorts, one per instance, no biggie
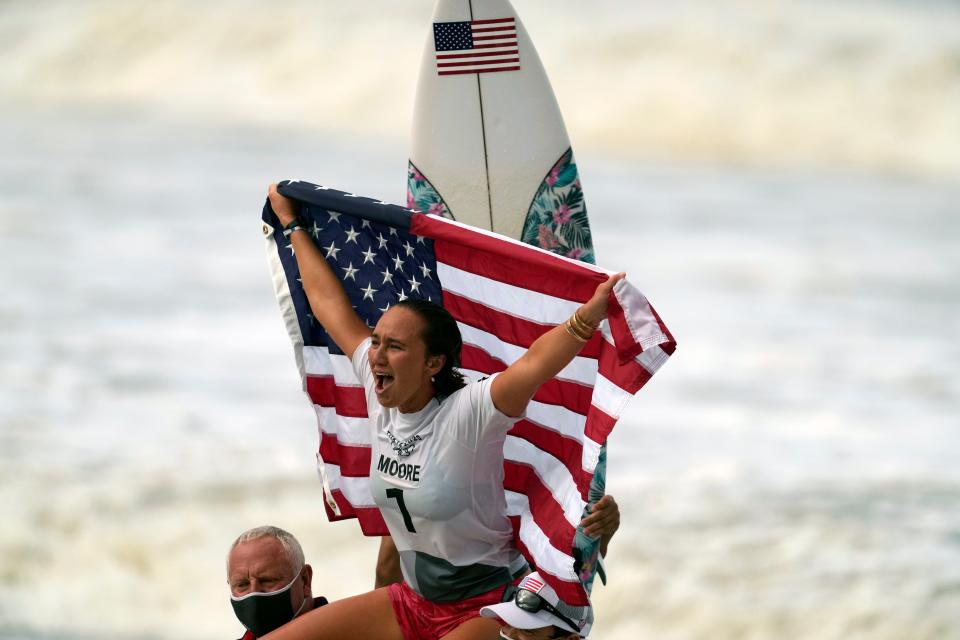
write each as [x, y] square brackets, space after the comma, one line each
[421, 619]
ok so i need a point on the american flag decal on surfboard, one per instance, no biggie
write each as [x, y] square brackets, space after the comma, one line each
[476, 46]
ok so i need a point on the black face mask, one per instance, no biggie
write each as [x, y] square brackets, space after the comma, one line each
[262, 612]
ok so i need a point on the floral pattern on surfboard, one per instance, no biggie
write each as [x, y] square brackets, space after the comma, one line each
[422, 196]
[557, 218]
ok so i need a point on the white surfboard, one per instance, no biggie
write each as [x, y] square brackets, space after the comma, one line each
[489, 145]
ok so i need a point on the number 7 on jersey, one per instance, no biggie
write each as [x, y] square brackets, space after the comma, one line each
[397, 494]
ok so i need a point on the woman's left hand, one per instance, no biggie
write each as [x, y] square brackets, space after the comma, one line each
[594, 310]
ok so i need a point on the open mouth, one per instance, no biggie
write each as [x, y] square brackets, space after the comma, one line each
[383, 381]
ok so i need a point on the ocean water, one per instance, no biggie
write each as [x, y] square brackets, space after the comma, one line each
[855, 83]
[791, 473]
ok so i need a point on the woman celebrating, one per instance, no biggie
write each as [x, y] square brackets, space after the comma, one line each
[436, 455]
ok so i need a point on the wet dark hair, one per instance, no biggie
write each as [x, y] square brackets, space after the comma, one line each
[442, 338]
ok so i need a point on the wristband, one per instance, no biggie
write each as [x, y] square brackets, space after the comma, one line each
[293, 225]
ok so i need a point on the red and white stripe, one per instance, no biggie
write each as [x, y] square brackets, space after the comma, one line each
[495, 48]
[504, 294]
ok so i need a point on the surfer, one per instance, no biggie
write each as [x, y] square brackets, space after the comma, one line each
[270, 583]
[436, 455]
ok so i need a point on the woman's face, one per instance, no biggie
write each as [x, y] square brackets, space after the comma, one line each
[398, 357]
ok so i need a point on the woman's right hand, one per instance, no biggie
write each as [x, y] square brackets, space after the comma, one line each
[283, 206]
[328, 301]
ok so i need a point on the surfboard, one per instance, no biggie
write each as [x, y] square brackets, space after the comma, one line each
[489, 146]
[490, 149]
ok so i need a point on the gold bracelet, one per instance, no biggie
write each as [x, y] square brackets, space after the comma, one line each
[582, 329]
[581, 324]
[572, 330]
[573, 333]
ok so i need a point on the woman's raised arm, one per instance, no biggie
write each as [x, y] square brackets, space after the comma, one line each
[512, 390]
[328, 301]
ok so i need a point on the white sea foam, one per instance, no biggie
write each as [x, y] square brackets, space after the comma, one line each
[872, 84]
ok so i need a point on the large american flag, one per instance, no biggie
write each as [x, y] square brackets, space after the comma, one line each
[477, 46]
[503, 294]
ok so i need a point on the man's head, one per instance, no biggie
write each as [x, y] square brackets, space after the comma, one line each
[534, 612]
[269, 582]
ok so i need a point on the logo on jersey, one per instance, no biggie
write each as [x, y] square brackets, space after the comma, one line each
[403, 448]
[400, 470]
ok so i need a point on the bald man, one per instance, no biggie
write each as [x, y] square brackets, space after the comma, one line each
[270, 584]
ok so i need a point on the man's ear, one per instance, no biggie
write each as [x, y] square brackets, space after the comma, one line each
[307, 578]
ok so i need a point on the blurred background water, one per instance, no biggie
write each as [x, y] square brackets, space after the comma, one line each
[782, 178]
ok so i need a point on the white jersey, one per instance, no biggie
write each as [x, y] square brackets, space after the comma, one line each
[437, 477]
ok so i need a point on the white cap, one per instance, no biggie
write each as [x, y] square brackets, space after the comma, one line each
[517, 618]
